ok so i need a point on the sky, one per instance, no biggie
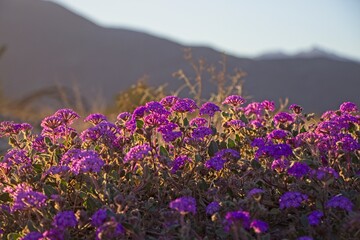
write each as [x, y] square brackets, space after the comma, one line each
[239, 27]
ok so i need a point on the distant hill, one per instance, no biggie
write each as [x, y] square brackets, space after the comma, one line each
[47, 44]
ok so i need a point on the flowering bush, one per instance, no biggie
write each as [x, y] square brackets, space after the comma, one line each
[175, 170]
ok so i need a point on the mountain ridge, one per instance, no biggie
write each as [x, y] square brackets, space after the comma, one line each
[49, 45]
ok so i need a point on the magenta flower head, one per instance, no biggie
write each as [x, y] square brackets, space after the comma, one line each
[99, 218]
[95, 118]
[348, 107]
[209, 108]
[184, 205]
[268, 105]
[156, 107]
[137, 153]
[124, 116]
[51, 122]
[216, 163]
[32, 236]
[235, 124]
[110, 230]
[169, 101]
[67, 115]
[184, 105]
[201, 132]
[198, 122]
[255, 192]
[259, 226]
[283, 118]
[295, 108]
[280, 165]
[179, 162]
[53, 234]
[298, 170]
[86, 161]
[234, 100]
[212, 208]
[314, 217]
[139, 112]
[64, 220]
[236, 217]
[292, 199]
[340, 202]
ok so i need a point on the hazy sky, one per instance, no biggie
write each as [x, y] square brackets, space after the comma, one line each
[236, 26]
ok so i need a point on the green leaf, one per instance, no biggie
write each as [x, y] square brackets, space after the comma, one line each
[13, 236]
[186, 122]
[231, 143]
[163, 152]
[213, 148]
[139, 124]
[255, 164]
[5, 197]
[49, 190]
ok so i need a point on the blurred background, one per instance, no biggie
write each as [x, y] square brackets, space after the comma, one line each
[112, 55]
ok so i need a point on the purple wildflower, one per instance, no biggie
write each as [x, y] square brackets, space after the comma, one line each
[32, 236]
[295, 108]
[325, 172]
[57, 170]
[235, 124]
[341, 202]
[179, 162]
[254, 108]
[348, 107]
[8, 128]
[255, 192]
[84, 161]
[67, 115]
[228, 153]
[314, 217]
[155, 120]
[95, 118]
[234, 100]
[201, 132]
[280, 165]
[184, 105]
[268, 105]
[212, 208]
[25, 198]
[304, 238]
[156, 107]
[258, 142]
[110, 230]
[259, 226]
[216, 163]
[348, 144]
[65, 219]
[99, 218]
[237, 217]
[51, 122]
[298, 169]
[278, 134]
[139, 112]
[53, 234]
[124, 116]
[283, 118]
[171, 136]
[184, 205]
[209, 108]
[198, 122]
[137, 153]
[292, 199]
[16, 157]
[169, 101]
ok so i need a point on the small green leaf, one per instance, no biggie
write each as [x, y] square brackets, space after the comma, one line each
[139, 124]
[255, 164]
[213, 148]
[186, 122]
[231, 143]
[5, 197]
[163, 152]
[13, 236]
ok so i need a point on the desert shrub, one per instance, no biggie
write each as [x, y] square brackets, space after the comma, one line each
[171, 169]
